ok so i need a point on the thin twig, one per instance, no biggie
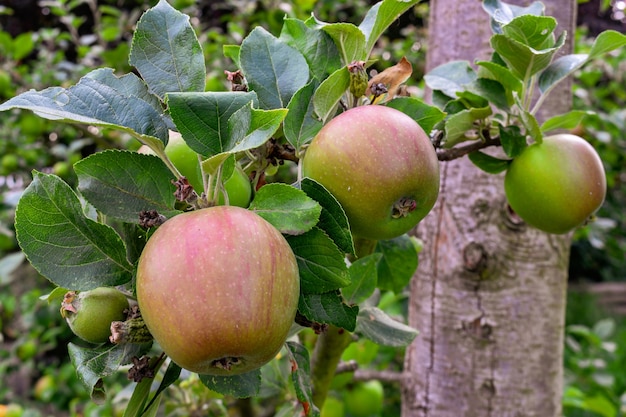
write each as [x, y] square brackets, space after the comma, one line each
[460, 151]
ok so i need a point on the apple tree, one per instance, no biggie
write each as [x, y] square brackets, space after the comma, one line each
[282, 205]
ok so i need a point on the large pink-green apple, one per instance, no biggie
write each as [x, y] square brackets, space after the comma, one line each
[380, 165]
[218, 289]
[557, 184]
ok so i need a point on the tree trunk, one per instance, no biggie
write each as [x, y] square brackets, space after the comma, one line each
[489, 295]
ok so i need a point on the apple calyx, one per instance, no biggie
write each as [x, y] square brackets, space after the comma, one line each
[68, 304]
[358, 78]
[403, 207]
[226, 363]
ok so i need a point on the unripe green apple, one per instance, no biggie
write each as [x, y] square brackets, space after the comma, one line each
[557, 184]
[237, 186]
[90, 313]
[238, 189]
[333, 407]
[365, 399]
[218, 289]
[380, 165]
[185, 160]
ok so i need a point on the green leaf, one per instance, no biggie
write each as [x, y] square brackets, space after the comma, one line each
[425, 115]
[562, 67]
[501, 74]
[567, 120]
[559, 70]
[202, 118]
[380, 16]
[349, 40]
[377, 326]
[330, 92]
[288, 209]
[314, 44]
[250, 128]
[459, 123]
[607, 41]
[398, 264]
[450, 78]
[301, 376]
[490, 90]
[239, 386]
[8, 265]
[328, 308]
[502, 13]
[532, 125]
[523, 60]
[232, 52]
[363, 277]
[512, 139]
[166, 51]
[121, 184]
[93, 364]
[333, 220]
[488, 163]
[321, 264]
[273, 69]
[23, 45]
[100, 99]
[536, 32]
[66, 247]
[137, 402]
[171, 375]
[300, 125]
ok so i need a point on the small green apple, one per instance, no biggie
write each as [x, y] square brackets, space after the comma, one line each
[365, 399]
[90, 313]
[557, 184]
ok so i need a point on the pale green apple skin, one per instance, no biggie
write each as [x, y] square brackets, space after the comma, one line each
[369, 157]
[556, 185]
[217, 283]
[185, 159]
[238, 189]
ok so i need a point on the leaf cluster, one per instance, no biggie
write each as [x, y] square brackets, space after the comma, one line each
[91, 236]
[497, 102]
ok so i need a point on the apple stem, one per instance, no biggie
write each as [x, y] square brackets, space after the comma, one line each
[326, 355]
[332, 342]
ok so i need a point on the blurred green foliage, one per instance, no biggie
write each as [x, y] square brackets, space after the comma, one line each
[594, 360]
[598, 250]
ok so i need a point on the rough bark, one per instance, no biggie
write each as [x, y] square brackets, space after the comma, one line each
[489, 294]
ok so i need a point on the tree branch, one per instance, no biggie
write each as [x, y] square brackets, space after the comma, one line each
[460, 151]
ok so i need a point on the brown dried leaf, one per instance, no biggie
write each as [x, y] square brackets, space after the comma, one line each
[392, 78]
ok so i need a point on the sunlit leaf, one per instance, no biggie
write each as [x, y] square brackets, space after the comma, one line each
[288, 209]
